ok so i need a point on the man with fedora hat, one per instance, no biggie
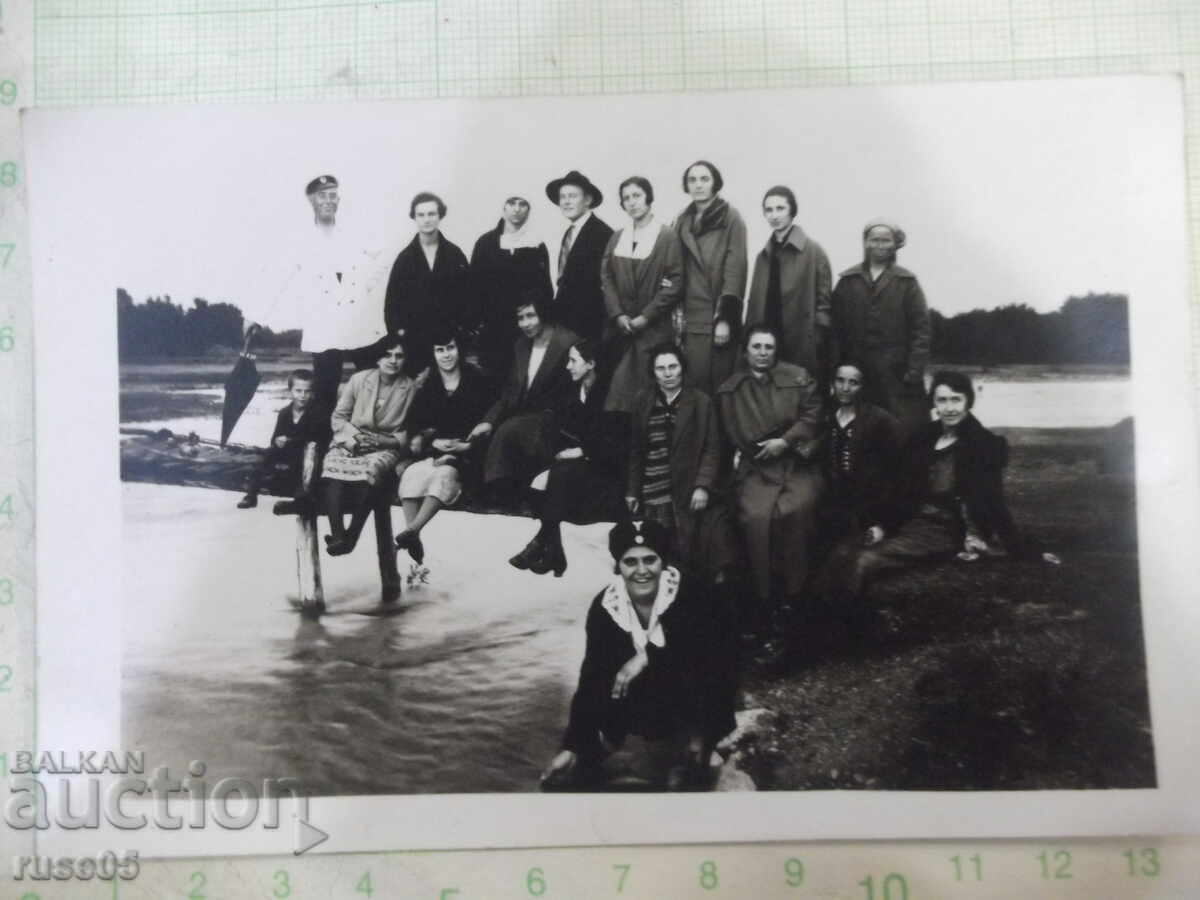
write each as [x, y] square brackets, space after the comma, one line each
[578, 297]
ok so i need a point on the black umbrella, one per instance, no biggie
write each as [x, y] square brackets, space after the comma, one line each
[239, 388]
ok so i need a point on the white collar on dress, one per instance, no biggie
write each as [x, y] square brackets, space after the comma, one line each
[616, 603]
[520, 239]
[647, 237]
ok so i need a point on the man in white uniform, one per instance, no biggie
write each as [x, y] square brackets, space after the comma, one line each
[335, 291]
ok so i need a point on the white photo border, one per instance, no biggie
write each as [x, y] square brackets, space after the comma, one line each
[79, 625]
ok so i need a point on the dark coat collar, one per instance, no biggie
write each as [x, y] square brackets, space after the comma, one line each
[860, 269]
[971, 433]
[795, 238]
[784, 375]
[557, 344]
[418, 254]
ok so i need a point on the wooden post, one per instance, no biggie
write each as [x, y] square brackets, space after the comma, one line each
[385, 547]
[308, 555]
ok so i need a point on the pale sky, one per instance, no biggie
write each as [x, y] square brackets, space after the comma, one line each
[1009, 192]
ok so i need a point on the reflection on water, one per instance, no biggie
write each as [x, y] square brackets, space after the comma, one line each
[464, 689]
[1036, 403]
[1053, 404]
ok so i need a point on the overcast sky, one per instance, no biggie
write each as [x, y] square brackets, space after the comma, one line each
[1009, 192]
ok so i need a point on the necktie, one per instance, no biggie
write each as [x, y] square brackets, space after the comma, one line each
[773, 308]
[565, 250]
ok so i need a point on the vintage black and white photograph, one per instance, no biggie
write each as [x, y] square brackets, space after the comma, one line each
[710, 443]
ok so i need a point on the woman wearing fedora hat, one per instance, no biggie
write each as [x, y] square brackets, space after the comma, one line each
[657, 665]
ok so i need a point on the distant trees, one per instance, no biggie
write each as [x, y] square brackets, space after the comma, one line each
[1091, 329]
[266, 339]
[159, 328]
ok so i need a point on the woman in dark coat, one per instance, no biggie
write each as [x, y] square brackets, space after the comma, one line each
[507, 263]
[428, 287]
[642, 277]
[713, 236]
[948, 498]
[861, 452]
[445, 409]
[880, 319]
[521, 422]
[658, 664]
[588, 450]
[675, 468]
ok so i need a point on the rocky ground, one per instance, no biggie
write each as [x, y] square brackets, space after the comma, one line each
[992, 675]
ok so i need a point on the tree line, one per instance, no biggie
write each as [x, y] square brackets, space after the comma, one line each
[1090, 329]
[157, 328]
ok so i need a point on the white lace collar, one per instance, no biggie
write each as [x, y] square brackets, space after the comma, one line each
[518, 240]
[646, 238]
[616, 603]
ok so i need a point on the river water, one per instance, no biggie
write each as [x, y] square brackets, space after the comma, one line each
[1049, 402]
[464, 689]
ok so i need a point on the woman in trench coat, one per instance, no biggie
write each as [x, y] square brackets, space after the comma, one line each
[642, 277]
[880, 318]
[713, 238]
[771, 413]
[791, 286]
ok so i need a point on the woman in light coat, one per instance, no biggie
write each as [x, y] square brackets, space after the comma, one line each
[369, 440]
[642, 277]
[713, 236]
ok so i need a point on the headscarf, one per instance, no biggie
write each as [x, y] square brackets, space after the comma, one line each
[897, 232]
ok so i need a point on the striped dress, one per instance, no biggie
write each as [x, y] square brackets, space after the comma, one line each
[657, 505]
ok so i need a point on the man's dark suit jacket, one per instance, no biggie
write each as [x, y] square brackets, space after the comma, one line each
[579, 299]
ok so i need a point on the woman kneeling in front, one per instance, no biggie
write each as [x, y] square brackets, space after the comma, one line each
[652, 668]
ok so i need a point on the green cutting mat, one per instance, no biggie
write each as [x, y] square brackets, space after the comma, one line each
[104, 51]
[92, 52]
[88, 52]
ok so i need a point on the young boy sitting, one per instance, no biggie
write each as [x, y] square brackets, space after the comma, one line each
[297, 424]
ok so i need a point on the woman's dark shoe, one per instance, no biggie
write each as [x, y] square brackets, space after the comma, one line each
[298, 507]
[528, 556]
[552, 559]
[248, 502]
[411, 541]
[339, 546]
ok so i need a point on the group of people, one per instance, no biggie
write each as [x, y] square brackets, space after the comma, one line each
[751, 467]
